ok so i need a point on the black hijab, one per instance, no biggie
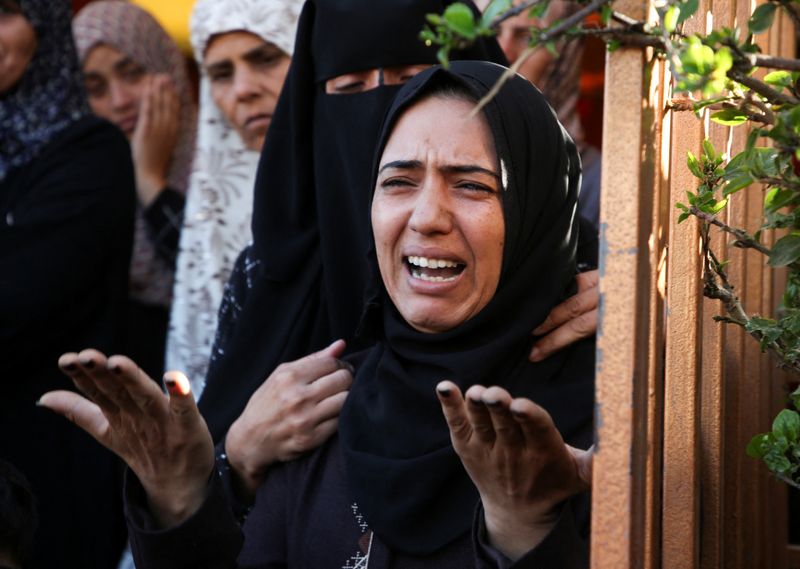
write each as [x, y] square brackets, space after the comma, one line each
[401, 467]
[300, 285]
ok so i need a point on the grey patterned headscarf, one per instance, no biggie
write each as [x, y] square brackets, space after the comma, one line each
[50, 97]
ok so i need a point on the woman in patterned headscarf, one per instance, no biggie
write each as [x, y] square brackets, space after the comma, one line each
[243, 49]
[66, 226]
[136, 78]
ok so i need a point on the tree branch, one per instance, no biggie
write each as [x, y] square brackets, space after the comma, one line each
[743, 239]
[515, 11]
[573, 20]
[776, 62]
[762, 88]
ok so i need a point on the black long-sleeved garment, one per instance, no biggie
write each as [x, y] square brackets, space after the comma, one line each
[303, 518]
[66, 227]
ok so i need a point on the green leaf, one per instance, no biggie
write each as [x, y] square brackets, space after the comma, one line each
[683, 217]
[434, 19]
[762, 18]
[787, 424]
[493, 10]
[694, 165]
[605, 14]
[443, 56]
[785, 251]
[795, 397]
[729, 117]
[671, 18]
[737, 184]
[757, 447]
[777, 198]
[708, 149]
[779, 79]
[461, 20]
[551, 48]
[716, 208]
[538, 11]
[688, 9]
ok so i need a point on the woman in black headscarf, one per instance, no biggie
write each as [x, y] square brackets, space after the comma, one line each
[474, 238]
[309, 231]
[66, 226]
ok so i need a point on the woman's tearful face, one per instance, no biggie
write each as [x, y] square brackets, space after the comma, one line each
[437, 214]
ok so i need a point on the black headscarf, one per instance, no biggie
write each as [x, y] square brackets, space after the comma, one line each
[301, 283]
[402, 469]
[49, 97]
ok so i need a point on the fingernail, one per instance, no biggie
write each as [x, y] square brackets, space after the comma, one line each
[88, 363]
[39, 402]
[476, 402]
[115, 369]
[535, 353]
[492, 403]
[69, 367]
[517, 413]
[176, 383]
[444, 391]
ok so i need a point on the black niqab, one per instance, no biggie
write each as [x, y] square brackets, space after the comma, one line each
[301, 283]
[402, 469]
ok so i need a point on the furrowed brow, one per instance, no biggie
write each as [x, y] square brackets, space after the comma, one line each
[401, 165]
[470, 169]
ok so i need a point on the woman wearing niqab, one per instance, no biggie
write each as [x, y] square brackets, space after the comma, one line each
[66, 226]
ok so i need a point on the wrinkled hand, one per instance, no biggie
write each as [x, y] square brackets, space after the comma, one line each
[518, 461]
[293, 412]
[155, 137]
[164, 440]
[572, 320]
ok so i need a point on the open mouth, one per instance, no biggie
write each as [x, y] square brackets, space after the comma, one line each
[434, 270]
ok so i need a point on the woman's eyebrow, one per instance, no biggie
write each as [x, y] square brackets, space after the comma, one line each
[469, 169]
[401, 165]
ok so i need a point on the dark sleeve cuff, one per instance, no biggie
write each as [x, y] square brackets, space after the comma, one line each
[211, 538]
[164, 219]
[562, 548]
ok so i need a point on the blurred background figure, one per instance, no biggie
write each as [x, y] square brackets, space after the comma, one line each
[18, 518]
[243, 49]
[559, 78]
[66, 224]
[136, 78]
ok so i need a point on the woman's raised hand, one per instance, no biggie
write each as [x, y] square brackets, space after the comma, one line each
[293, 412]
[154, 139]
[517, 460]
[572, 320]
[163, 439]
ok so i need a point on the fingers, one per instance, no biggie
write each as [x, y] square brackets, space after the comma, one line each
[331, 384]
[506, 429]
[584, 460]
[181, 401]
[313, 367]
[78, 410]
[71, 365]
[584, 301]
[539, 431]
[576, 329]
[334, 350]
[329, 408]
[455, 412]
[478, 415]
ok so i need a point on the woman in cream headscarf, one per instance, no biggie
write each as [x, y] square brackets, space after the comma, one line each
[243, 48]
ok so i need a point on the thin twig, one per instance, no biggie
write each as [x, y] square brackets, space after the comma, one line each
[790, 9]
[762, 88]
[772, 62]
[515, 11]
[627, 20]
[573, 20]
[787, 480]
[743, 239]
